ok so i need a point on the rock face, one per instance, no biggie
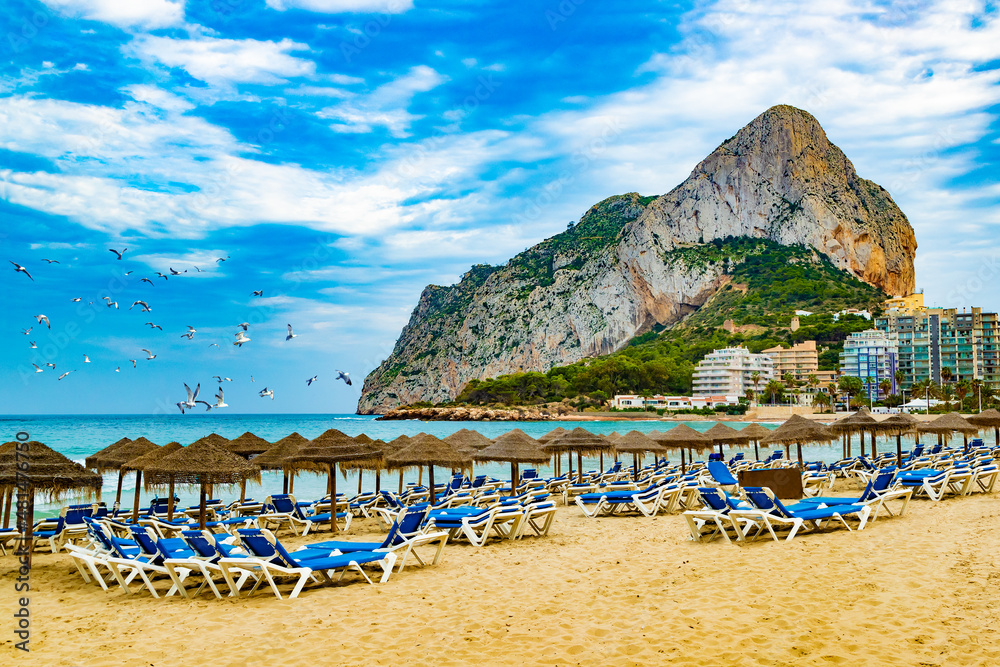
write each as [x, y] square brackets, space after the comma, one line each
[590, 290]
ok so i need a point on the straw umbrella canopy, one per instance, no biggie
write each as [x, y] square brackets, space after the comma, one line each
[139, 464]
[684, 437]
[469, 441]
[755, 432]
[33, 468]
[860, 422]
[93, 460]
[987, 419]
[215, 439]
[557, 432]
[248, 446]
[723, 434]
[202, 463]
[113, 457]
[636, 443]
[276, 457]
[396, 444]
[328, 450]
[427, 450]
[947, 424]
[376, 464]
[798, 430]
[897, 424]
[581, 441]
[513, 447]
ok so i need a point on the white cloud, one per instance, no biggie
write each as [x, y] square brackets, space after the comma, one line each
[343, 6]
[223, 61]
[146, 14]
[386, 106]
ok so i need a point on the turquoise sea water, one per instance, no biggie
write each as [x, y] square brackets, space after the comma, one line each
[78, 436]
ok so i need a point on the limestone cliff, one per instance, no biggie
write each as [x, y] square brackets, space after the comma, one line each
[591, 289]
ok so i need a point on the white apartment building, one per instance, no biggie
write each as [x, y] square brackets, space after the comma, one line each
[730, 371]
[659, 402]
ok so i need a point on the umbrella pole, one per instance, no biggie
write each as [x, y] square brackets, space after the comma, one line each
[7, 499]
[359, 481]
[135, 502]
[420, 476]
[965, 442]
[243, 491]
[682, 462]
[720, 450]
[29, 524]
[579, 464]
[635, 467]
[170, 501]
[996, 436]
[600, 466]
[378, 481]
[430, 479]
[291, 482]
[941, 439]
[400, 481]
[118, 494]
[788, 450]
[333, 499]
[798, 446]
[848, 434]
[284, 481]
[201, 507]
[899, 449]
[756, 452]
[513, 479]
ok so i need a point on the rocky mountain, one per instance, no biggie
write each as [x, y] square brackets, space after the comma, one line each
[617, 273]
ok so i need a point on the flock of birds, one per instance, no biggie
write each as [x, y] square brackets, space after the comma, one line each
[192, 399]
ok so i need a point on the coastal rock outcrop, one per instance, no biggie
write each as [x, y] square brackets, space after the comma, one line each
[611, 277]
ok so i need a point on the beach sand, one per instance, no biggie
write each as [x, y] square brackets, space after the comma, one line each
[915, 590]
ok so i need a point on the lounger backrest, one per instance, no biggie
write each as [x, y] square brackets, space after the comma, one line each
[713, 498]
[759, 499]
[256, 543]
[882, 481]
[142, 538]
[869, 492]
[201, 544]
[720, 473]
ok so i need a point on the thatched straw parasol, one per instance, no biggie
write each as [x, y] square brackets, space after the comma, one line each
[798, 430]
[328, 450]
[276, 457]
[897, 424]
[723, 434]
[214, 438]
[636, 443]
[513, 447]
[247, 445]
[427, 450]
[92, 461]
[395, 445]
[139, 464]
[202, 463]
[581, 441]
[684, 437]
[469, 441]
[756, 433]
[988, 419]
[32, 468]
[947, 424]
[113, 457]
[557, 432]
[860, 422]
[376, 464]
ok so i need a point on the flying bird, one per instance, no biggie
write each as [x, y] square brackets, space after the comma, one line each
[265, 392]
[161, 275]
[311, 380]
[107, 298]
[118, 254]
[41, 318]
[346, 377]
[152, 326]
[174, 273]
[64, 374]
[147, 280]
[50, 365]
[20, 269]
[290, 334]
[50, 261]
[150, 356]
[27, 331]
[257, 292]
[76, 300]
[181, 407]
[243, 325]
[219, 378]
[128, 273]
[33, 346]
[37, 369]
[219, 260]
[86, 359]
[240, 339]
[192, 396]
[118, 370]
[220, 400]
[133, 362]
[113, 303]
[198, 270]
[145, 306]
[251, 378]
[189, 335]
[213, 345]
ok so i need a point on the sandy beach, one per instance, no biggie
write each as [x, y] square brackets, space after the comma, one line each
[913, 590]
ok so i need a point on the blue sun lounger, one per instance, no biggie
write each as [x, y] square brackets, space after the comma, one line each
[799, 515]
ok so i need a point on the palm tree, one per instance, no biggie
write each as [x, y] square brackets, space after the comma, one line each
[832, 388]
[821, 399]
[947, 392]
[899, 375]
[962, 388]
[755, 378]
[774, 388]
[885, 386]
[945, 375]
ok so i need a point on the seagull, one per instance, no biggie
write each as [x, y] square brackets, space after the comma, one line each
[50, 261]
[220, 400]
[150, 356]
[181, 406]
[65, 374]
[147, 280]
[243, 325]
[251, 378]
[113, 303]
[192, 397]
[219, 378]
[118, 254]
[346, 377]
[213, 345]
[267, 392]
[107, 298]
[257, 292]
[219, 260]
[27, 331]
[41, 318]
[145, 306]
[37, 369]
[290, 334]
[189, 335]
[153, 326]
[240, 339]
[33, 346]
[128, 273]
[311, 380]
[161, 275]
[198, 270]
[174, 273]
[118, 370]
[76, 300]
[133, 362]
[20, 269]
[50, 365]
[86, 359]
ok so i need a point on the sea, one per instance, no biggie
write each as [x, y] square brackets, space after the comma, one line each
[79, 436]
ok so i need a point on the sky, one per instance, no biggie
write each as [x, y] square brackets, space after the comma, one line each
[341, 155]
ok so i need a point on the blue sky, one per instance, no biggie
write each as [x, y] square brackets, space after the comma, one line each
[345, 153]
